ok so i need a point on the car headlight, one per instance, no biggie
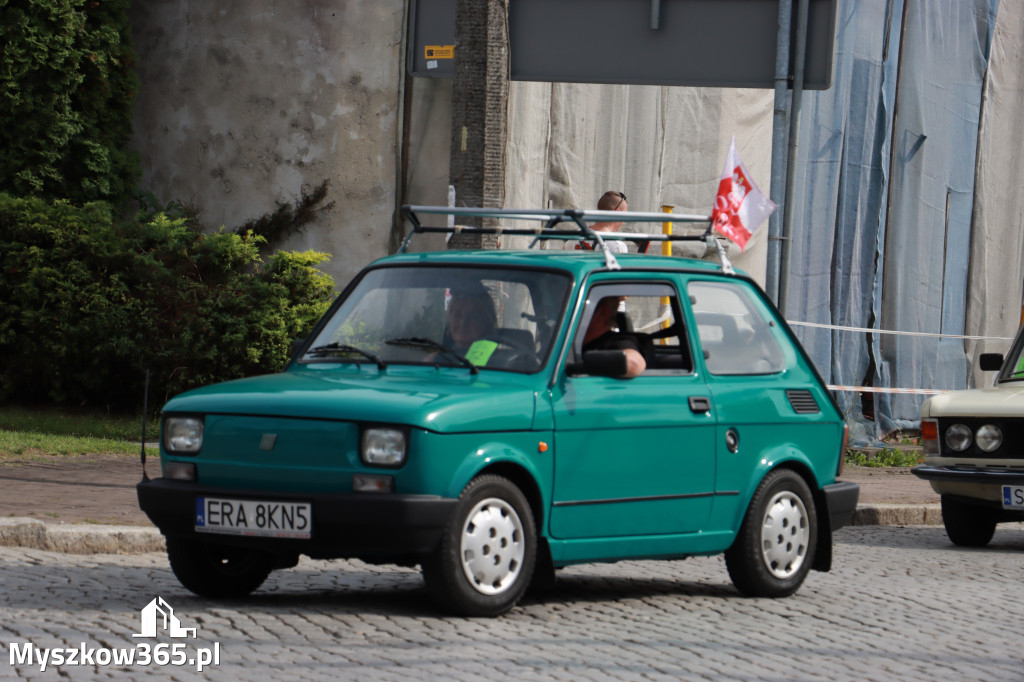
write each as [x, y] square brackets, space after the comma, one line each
[383, 447]
[183, 435]
[958, 437]
[989, 437]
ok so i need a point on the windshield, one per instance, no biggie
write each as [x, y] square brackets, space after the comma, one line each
[448, 316]
[1013, 367]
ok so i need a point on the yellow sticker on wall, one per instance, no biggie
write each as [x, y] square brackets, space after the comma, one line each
[439, 52]
[481, 351]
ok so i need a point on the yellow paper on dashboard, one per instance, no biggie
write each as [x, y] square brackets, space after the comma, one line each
[481, 351]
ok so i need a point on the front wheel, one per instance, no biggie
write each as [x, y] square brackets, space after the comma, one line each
[486, 557]
[967, 525]
[218, 571]
[774, 549]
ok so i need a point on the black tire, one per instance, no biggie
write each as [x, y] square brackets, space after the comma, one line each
[967, 525]
[485, 560]
[218, 571]
[774, 549]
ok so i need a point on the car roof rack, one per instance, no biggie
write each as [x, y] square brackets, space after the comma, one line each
[565, 224]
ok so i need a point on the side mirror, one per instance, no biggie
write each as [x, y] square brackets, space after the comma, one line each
[990, 362]
[602, 363]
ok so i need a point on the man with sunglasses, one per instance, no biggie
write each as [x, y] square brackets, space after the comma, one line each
[609, 201]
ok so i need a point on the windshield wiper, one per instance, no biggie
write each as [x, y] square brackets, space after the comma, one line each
[344, 348]
[420, 342]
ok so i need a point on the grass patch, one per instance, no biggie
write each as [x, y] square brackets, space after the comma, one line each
[29, 444]
[886, 457]
[65, 421]
[45, 431]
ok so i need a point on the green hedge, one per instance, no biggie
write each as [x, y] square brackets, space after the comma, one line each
[87, 306]
[67, 82]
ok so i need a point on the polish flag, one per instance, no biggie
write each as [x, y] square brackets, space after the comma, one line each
[740, 208]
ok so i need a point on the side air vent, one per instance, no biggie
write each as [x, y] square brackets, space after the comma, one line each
[802, 402]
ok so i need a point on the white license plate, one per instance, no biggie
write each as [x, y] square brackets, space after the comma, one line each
[254, 517]
[1013, 497]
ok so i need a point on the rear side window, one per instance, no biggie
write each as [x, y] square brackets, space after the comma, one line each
[735, 330]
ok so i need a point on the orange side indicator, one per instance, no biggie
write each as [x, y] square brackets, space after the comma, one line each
[542, 447]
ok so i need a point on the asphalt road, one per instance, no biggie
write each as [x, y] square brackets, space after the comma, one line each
[901, 603]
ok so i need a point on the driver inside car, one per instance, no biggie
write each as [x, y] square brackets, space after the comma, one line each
[470, 320]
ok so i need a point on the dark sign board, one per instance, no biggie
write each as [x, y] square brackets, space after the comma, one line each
[703, 43]
[433, 27]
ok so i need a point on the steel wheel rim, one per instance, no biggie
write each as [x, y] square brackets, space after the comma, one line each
[785, 534]
[492, 546]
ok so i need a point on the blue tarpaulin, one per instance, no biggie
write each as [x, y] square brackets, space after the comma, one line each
[883, 202]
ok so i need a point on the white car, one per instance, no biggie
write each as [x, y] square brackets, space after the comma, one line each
[974, 451]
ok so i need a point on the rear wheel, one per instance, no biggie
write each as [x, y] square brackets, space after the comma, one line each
[774, 549]
[486, 557]
[967, 525]
[218, 571]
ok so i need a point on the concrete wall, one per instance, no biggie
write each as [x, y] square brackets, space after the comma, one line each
[243, 104]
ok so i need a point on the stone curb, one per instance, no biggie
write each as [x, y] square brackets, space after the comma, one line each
[897, 515]
[79, 538]
[95, 539]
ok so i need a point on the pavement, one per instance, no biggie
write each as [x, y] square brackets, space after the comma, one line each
[87, 504]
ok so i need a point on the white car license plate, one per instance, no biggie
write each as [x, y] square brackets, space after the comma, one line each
[1013, 497]
[254, 517]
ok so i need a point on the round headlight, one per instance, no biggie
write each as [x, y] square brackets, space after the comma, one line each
[989, 437]
[958, 437]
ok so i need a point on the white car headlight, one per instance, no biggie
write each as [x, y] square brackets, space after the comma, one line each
[958, 437]
[989, 437]
[383, 447]
[183, 435]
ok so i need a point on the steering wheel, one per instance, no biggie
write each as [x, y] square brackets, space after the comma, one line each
[520, 353]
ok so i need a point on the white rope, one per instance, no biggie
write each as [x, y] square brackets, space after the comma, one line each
[873, 389]
[655, 323]
[886, 331]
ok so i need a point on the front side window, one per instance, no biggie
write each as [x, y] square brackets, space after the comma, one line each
[735, 330]
[493, 318]
[635, 315]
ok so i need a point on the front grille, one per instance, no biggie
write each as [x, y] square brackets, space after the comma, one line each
[802, 401]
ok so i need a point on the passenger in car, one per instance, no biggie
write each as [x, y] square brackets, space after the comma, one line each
[601, 335]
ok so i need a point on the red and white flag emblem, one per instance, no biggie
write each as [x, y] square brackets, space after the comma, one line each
[740, 207]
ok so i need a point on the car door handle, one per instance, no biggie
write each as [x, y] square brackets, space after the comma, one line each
[699, 404]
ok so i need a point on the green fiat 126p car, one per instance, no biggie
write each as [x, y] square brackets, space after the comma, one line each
[492, 416]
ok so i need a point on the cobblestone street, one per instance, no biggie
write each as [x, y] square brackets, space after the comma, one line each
[901, 603]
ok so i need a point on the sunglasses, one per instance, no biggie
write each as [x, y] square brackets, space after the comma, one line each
[622, 197]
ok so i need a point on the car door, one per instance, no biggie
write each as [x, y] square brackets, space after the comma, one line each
[769, 407]
[633, 456]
